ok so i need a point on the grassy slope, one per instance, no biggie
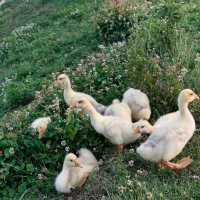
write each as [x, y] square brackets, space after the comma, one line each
[60, 40]
[50, 51]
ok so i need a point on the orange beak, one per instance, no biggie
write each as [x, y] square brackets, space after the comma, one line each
[77, 163]
[197, 97]
[42, 130]
[74, 105]
[136, 130]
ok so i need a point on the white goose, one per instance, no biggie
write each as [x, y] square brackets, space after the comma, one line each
[171, 134]
[119, 109]
[72, 96]
[75, 171]
[138, 103]
[117, 130]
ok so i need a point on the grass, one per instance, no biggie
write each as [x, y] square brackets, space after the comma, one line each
[40, 38]
[59, 40]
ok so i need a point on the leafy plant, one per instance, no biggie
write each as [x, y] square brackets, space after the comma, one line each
[18, 94]
[159, 58]
[114, 20]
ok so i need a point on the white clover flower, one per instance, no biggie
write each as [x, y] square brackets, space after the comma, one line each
[131, 150]
[195, 177]
[142, 172]
[40, 176]
[38, 94]
[100, 162]
[129, 182]
[149, 195]
[121, 189]
[63, 143]
[67, 149]
[107, 88]
[184, 71]
[94, 149]
[22, 29]
[101, 46]
[103, 198]
[130, 163]
[10, 128]
[11, 150]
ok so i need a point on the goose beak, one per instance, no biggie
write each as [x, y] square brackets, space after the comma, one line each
[197, 97]
[77, 163]
[73, 106]
[136, 130]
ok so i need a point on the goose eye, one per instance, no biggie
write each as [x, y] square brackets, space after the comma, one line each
[191, 94]
[142, 126]
[80, 101]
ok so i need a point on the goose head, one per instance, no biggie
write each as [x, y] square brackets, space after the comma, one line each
[42, 129]
[143, 127]
[62, 81]
[71, 160]
[83, 104]
[187, 96]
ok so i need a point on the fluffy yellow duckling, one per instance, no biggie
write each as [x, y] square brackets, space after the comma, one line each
[170, 135]
[75, 171]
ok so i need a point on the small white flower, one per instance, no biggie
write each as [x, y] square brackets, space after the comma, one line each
[67, 149]
[100, 162]
[101, 46]
[103, 198]
[40, 176]
[149, 195]
[142, 172]
[63, 143]
[121, 189]
[131, 150]
[12, 150]
[94, 149]
[195, 177]
[129, 182]
[130, 163]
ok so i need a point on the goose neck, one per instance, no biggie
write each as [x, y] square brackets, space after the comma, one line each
[68, 90]
[183, 108]
[93, 113]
